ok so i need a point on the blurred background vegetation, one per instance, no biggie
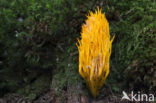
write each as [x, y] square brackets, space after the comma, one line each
[38, 51]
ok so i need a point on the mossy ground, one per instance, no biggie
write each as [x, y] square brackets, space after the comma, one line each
[39, 55]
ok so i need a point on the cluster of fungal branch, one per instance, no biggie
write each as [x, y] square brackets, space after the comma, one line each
[94, 51]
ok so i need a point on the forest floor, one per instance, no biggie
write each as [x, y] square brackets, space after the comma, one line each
[63, 86]
[69, 97]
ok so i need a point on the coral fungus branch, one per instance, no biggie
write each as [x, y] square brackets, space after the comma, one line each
[94, 51]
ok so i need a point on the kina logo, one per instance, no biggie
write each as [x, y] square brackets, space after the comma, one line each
[137, 97]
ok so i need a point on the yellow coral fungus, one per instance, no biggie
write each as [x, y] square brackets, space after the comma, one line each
[94, 51]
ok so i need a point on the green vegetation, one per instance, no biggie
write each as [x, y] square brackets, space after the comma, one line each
[38, 37]
[134, 49]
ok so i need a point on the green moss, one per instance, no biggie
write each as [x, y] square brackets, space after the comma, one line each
[35, 89]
